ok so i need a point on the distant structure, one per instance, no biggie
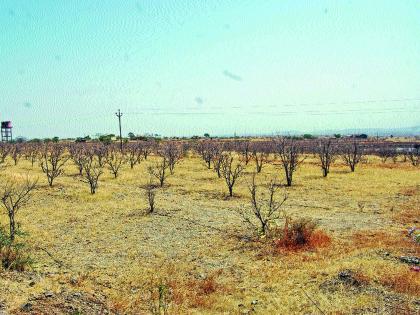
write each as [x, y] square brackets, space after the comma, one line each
[6, 131]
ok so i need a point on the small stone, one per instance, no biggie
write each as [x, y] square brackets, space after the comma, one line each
[345, 275]
[77, 294]
[73, 280]
[32, 283]
[410, 260]
[27, 307]
[254, 302]
[202, 276]
[48, 294]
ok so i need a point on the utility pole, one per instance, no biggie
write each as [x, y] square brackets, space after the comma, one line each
[119, 114]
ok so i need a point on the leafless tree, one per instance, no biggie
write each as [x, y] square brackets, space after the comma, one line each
[265, 208]
[244, 148]
[352, 154]
[91, 171]
[134, 153]
[16, 152]
[114, 160]
[101, 151]
[160, 170]
[260, 154]
[172, 153]
[53, 160]
[5, 149]
[290, 156]
[231, 171]
[32, 152]
[414, 155]
[385, 152]
[217, 158]
[150, 193]
[206, 150]
[14, 196]
[77, 154]
[147, 147]
[327, 152]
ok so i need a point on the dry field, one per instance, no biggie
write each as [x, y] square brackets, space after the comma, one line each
[98, 254]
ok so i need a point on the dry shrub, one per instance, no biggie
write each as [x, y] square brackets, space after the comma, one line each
[302, 234]
[14, 259]
[172, 293]
[319, 239]
[403, 281]
[197, 293]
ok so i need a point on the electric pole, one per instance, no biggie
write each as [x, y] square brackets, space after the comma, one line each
[119, 114]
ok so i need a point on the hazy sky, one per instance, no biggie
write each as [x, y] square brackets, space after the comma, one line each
[217, 66]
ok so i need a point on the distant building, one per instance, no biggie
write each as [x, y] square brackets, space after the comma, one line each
[6, 131]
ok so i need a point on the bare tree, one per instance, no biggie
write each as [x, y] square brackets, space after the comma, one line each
[16, 152]
[32, 152]
[206, 150]
[77, 154]
[53, 160]
[352, 154]
[160, 170]
[414, 155]
[244, 148]
[260, 154]
[172, 153]
[114, 160]
[134, 153]
[13, 197]
[327, 154]
[150, 193]
[230, 171]
[5, 149]
[217, 158]
[385, 152]
[101, 151]
[92, 170]
[290, 156]
[147, 147]
[265, 208]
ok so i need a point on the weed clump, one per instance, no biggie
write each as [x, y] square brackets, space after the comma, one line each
[301, 234]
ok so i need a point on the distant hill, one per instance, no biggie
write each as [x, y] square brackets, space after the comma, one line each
[406, 131]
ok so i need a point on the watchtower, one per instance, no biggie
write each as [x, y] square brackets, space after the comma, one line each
[6, 131]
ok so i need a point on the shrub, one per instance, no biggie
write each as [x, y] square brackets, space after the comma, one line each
[301, 234]
[12, 256]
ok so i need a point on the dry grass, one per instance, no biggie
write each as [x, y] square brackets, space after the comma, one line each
[402, 280]
[105, 247]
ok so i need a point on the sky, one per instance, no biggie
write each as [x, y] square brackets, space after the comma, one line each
[182, 68]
